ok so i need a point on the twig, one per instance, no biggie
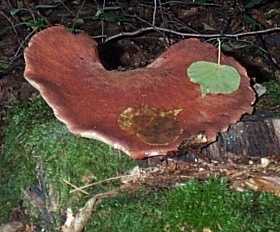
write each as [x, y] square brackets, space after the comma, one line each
[190, 3]
[21, 45]
[75, 187]
[29, 11]
[10, 22]
[154, 13]
[102, 21]
[269, 55]
[100, 182]
[195, 35]
[12, 25]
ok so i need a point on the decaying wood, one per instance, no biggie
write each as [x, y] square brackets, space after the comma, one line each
[77, 223]
[12, 227]
[253, 137]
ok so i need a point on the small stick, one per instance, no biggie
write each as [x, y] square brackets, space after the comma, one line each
[154, 13]
[100, 182]
[75, 187]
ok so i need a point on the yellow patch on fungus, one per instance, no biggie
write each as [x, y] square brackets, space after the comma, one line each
[152, 125]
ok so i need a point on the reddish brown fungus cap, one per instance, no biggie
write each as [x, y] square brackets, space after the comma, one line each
[143, 112]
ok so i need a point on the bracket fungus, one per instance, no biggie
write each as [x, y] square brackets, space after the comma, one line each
[144, 112]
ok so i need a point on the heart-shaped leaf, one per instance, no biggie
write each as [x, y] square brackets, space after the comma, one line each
[214, 78]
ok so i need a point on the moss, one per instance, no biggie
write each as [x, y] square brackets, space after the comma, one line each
[271, 100]
[191, 207]
[34, 136]
[273, 91]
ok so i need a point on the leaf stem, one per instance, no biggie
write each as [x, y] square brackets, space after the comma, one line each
[219, 51]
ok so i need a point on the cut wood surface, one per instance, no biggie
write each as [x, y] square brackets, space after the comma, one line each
[255, 136]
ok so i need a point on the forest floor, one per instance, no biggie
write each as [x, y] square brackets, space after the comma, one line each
[27, 126]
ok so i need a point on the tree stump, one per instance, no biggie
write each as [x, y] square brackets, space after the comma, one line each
[253, 137]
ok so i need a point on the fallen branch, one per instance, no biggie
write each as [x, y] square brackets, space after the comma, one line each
[195, 35]
[77, 223]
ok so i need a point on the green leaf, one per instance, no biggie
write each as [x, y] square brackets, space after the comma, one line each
[214, 78]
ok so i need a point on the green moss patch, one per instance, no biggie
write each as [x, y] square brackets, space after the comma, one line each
[191, 207]
[271, 100]
[34, 136]
[273, 91]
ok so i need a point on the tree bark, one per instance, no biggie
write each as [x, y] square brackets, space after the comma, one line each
[255, 136]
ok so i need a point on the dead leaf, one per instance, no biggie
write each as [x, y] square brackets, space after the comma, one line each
[269, 184]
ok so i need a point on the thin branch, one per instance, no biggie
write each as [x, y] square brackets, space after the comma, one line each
[195, 35]
[21, 45]
[75, 187]
[10, 22]
[154, 13]
[29, 11]
[102, 21]
[101, 182]
[190, 3]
